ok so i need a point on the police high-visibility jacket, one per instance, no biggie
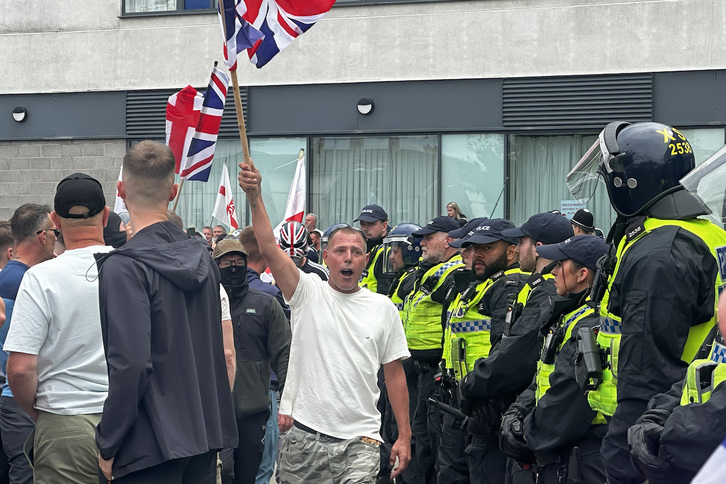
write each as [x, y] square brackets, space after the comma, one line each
[473, 319]
[604, 399]
[402, 288]
[373, 277]
[558, 414]
[661, 304]
[424, 306]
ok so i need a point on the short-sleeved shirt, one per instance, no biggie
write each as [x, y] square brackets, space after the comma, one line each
[57, 318]
[339, 342]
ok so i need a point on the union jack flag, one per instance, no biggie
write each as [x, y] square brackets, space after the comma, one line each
[281, 22]
[240, 35]
[197, 162]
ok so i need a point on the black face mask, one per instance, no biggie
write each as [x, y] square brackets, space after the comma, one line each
[233, 276]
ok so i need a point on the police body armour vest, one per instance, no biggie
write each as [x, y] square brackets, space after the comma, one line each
[464, 320]
[423, 314]
[368, 278]
[604, 398]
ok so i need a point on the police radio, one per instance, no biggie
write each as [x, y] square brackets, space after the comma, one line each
[589, 360]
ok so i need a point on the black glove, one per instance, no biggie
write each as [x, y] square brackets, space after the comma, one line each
[644, 440]
[511, 439]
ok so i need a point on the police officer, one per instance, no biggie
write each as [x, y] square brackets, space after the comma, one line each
[425, 309]
[477, 316]
[673, 438]
[553, 415]
[374, 225]
[403, 253]
[583, 223]
[510, 366]
[658, 307]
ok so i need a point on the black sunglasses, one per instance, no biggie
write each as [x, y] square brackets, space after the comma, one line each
[55, 231]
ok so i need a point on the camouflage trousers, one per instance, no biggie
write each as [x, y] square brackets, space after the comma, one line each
[307, 458]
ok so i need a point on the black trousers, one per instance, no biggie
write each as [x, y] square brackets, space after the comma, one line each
[198, 469]
[240, 465]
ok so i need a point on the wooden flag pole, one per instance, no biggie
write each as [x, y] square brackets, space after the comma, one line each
[178, 194]
[240, 117]
[237, 99]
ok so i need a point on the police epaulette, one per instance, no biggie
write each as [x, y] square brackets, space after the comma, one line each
[496, 276]
[535, 280]
[635, 229]
[512, 280]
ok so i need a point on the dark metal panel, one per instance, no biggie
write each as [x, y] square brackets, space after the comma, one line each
[576, 101]
[694, 98]
[146, 113]
[420, 106]
[72, 115]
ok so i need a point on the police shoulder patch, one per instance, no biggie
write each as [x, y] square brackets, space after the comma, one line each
[496, 276]
[635, 229]
[251, 311]
[721, 256]
[535, 280]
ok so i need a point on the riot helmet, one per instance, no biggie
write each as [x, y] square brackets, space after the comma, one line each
[400, 248]
[639, 164]
[294, 241]
[707, 184]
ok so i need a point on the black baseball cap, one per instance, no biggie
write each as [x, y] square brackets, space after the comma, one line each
[487, 232]
[470, 225]
[586, 250]
[372, 213]
[547, 227]
[584, 219]
[442, 223]
[79, 189]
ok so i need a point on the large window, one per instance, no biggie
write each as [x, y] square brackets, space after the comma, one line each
[131, 7]
[399, 173]
[538, 170]
[274, 157]
[705, 142]
[472, 173]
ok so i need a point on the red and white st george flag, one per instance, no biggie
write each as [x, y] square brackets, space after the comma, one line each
[295, 208]
[224, 210]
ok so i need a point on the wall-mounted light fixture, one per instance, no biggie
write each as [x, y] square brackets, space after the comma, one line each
[365, 105]
[20, 114]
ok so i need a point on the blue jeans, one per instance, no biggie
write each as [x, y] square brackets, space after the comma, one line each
[269, 454]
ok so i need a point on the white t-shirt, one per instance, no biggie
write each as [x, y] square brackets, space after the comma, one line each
[224, 300]
[339, 342]
[57, 317]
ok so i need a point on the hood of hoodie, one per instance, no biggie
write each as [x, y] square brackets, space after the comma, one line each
[185, 261]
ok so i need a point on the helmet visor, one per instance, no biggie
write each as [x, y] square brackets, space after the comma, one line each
[707, 184]
[393, 253]
[583, 179]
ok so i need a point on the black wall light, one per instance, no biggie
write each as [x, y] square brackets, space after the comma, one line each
[365, 105]
[20, 114]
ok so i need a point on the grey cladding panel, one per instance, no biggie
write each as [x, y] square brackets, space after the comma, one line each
[576, 102]
[146, 113]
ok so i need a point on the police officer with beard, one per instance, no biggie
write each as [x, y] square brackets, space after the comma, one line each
[658, 306]
[262, 341]
[478, 317]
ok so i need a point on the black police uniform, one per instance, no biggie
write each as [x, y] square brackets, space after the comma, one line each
[664, 285]
[484, 458]
[560, 424]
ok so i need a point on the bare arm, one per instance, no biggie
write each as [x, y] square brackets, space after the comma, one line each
[23, 380]
[230, 355]
[2, 312]
[398, 396]
[282, 267]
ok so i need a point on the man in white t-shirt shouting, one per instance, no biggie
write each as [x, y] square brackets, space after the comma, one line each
[57, 367]
[341, 335]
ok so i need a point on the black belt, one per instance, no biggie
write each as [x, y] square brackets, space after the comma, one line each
[307, 429]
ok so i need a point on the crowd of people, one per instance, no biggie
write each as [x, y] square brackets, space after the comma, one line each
[455, 351]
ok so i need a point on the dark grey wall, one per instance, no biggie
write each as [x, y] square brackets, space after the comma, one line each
[460, 105]
[74, 115]
[690, 98]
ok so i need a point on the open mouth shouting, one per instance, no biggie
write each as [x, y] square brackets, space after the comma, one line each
[347, 272]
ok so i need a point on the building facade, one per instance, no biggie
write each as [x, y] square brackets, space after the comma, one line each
[488, 103]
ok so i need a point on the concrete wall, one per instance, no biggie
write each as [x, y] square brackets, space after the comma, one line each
[52, 46]
[30, 171]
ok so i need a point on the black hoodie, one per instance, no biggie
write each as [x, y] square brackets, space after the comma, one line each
[168, 395]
